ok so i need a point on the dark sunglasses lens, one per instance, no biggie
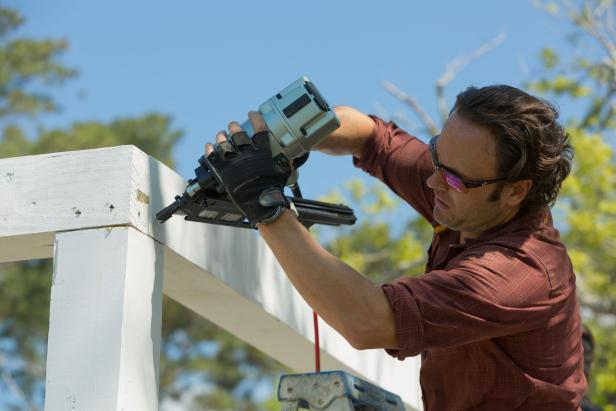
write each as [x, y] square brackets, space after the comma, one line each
[454, 181]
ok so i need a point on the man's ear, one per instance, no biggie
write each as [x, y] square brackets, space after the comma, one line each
[517, 192]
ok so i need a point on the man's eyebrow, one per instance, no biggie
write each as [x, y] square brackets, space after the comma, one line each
[450, 169]
[453, 170]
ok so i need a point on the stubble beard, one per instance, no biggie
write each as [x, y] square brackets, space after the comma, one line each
[478, 221]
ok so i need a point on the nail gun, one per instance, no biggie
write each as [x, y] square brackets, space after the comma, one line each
[297, 118]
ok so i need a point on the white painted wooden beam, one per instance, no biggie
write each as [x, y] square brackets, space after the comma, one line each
[105, 321]
[227, 275]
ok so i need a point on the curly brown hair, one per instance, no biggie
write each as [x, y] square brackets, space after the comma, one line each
[531, 144]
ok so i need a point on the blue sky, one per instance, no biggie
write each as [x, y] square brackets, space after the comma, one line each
[208, 62]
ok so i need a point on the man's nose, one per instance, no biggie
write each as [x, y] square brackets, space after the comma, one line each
[436, 181]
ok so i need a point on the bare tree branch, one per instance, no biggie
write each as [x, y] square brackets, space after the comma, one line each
[610, 24]
[376, 257]
[402, 119]
[12, 385]
[399, 117]
[601, 307]
[605, 11]
[413, 104]
[591, 20]
[456, 65]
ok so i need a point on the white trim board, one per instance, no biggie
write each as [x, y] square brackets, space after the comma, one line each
[227, 275]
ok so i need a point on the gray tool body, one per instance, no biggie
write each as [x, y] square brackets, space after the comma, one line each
[297, 119]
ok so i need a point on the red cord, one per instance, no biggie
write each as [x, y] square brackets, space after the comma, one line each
[317, 350]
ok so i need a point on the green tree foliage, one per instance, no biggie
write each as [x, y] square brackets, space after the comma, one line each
[207, 368]
[389, 240]
[152, 133]
[202, 366]
[26, 68]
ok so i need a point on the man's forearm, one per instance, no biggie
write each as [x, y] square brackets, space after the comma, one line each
[352, 135]
[345, 299]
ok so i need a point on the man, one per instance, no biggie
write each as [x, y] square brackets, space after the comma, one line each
[495, 317]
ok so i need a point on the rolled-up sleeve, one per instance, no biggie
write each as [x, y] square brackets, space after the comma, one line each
[409, 331]
[476, 300]
[402, 162]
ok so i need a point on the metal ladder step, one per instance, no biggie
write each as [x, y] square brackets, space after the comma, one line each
[334, 391]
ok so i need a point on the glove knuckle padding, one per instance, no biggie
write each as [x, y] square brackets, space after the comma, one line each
[254, 182]
[224, 149]
[240, 139]
[261, 141]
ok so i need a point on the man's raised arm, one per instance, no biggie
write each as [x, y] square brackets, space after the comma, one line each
[349, 302]
[352, 135]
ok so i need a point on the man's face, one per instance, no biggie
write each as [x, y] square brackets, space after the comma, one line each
[470, 151]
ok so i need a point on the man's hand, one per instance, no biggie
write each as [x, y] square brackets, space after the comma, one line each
[244, 166]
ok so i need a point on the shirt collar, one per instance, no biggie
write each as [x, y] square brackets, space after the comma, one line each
[521, 222]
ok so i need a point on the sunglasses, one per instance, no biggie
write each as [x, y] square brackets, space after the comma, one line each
[451, 177]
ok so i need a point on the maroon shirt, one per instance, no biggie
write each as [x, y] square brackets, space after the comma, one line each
[496, 319]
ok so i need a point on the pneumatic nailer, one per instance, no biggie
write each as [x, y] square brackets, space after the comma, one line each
[297, 118]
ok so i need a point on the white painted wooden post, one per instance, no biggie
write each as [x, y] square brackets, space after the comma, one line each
[105, 321]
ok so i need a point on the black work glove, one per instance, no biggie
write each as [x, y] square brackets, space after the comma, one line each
[252, 179]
